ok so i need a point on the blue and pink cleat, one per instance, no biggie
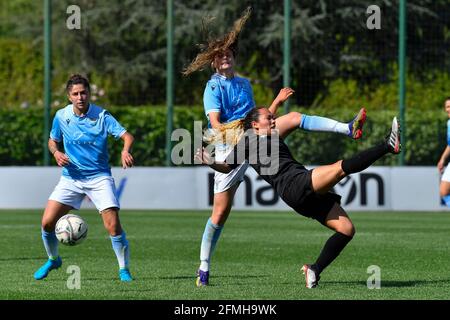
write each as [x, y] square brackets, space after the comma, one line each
[356, 125]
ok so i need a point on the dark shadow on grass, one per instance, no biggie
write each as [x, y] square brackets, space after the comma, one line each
[215, 277]
[106, 278]
[392, 284]
[175, 277]
[23, 258]
[43, 259]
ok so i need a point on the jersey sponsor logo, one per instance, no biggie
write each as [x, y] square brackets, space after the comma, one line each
[77, 139]
[78, 135]
[91, 143]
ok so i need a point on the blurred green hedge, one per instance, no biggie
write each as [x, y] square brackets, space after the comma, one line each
[22, 132]
[21, 73]
[425, 137]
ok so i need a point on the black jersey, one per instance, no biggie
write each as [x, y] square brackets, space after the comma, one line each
[273, 161]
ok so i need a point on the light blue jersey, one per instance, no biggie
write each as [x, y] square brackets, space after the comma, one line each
[233, 98]
[85, 140]
[448, 132]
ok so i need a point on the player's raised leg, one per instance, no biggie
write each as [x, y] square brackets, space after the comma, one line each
[294, 120]
[325, 177]
[53, 211]
[119, 241]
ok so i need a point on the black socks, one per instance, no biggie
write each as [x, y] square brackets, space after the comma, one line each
[364, 159]
[330, 251]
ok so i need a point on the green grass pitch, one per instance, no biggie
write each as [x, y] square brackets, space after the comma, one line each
[259, 257]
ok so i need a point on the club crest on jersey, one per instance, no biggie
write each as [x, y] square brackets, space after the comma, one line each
[67, 121]
[213, 87]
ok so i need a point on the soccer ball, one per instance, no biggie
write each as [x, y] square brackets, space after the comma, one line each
[71, 230]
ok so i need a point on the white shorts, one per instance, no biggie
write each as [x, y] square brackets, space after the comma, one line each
[101, 190]
[224, 181]
[446, 175]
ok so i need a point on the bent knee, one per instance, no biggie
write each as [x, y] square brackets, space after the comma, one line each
[295, 117]
[219, 217]
[220, 214]
[222, 206]
[346, 228]
[48, 225]
[113, 228]
[444, 189]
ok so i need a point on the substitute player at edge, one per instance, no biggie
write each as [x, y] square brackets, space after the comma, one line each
[84, 129]
[444, 187]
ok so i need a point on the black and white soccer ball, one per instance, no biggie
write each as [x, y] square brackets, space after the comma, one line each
[71, 230]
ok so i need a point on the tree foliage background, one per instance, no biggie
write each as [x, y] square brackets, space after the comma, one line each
[337, 66]
[121, 46]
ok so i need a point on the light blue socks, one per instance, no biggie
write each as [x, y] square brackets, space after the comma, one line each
[316, 123]
[210, 236]
[50, 244]
[446, 200]
[121, 249]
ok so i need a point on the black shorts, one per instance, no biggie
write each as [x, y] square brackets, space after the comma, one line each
[302, 198]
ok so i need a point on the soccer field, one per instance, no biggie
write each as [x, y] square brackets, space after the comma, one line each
[259, 257]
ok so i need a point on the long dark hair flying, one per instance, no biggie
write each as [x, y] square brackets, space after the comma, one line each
[218, 45]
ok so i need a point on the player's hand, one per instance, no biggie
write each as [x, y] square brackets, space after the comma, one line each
[203, 156]
[61, 158]
[440, 166]
[127, 159]
[284, 94]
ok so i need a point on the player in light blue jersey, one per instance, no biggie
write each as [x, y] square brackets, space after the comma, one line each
[228, 97]
[444, 188]
[83, 129]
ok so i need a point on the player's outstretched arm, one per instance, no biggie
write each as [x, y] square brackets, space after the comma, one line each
[204, 157]
[127, 158]
[282, 96]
